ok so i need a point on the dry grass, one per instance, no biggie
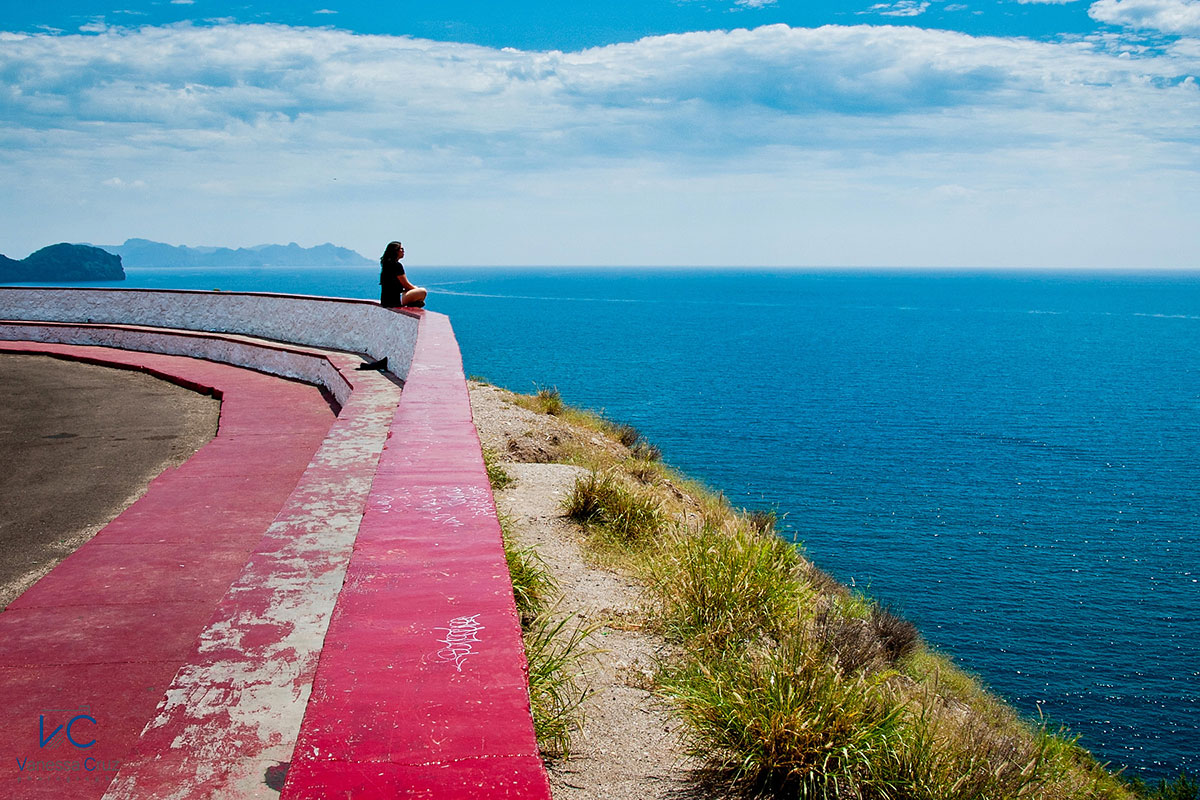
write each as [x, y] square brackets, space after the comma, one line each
[618, 513]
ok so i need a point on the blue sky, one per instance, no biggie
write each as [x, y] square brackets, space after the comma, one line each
[564, 25]
[739, 132]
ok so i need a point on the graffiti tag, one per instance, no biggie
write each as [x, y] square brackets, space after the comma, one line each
[461, 636]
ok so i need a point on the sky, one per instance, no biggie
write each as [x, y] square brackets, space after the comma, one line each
[910, 133]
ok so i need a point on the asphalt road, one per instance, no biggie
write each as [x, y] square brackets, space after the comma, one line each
[78, 444]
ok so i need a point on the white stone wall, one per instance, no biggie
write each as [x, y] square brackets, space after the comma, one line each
[282, 360]
[358, 326]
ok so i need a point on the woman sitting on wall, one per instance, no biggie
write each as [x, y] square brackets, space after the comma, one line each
[395, 289]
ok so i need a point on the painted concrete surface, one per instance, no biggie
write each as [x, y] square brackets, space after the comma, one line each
[421, 688]
[371, 623]
[98, 639]
[231, 715]
[79, 443]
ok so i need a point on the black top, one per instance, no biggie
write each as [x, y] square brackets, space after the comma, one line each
[390, 290]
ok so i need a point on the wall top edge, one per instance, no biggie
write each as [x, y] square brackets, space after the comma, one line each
[357, 301]
[214, 293]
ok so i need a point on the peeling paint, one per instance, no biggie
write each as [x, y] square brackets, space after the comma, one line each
[240, 700]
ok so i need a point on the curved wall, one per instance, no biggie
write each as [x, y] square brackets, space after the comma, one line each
[302, 364]
[359, 326]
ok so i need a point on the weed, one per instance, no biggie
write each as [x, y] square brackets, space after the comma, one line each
[554, 652]
[647, 472]
[718, 588]
[557, 681]
[632, 438]
[822, 582]
[848, 641]
[763, 521]
[531, 580]
[1183, 787]
[898, 638]
[626, 434]
[549, 400]
[780, 720]
[861, 635]
[645, 451]
[497, 476]
[589, 497]
[545, 400]
[621, 514]
[953, 756]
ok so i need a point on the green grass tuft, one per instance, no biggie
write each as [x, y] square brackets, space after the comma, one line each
[557, 681]
[497, 476]
[532, 583]
[763, 521]
[1183, 787]
[718, 587]
[779, 720]
[626, 434]
[620, 514]
[549, 401]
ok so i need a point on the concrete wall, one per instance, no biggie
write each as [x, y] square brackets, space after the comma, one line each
[286, 361]
[358, 326]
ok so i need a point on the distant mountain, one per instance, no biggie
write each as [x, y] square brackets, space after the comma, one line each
[145, 253]
[63, 262]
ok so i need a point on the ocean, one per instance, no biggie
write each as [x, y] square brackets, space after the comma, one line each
[1011, 460]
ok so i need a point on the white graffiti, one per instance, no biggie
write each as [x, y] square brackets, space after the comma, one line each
[460, 636]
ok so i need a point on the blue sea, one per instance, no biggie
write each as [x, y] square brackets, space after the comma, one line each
[1010, 460]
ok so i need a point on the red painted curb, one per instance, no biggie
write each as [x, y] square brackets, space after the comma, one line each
[421, 688]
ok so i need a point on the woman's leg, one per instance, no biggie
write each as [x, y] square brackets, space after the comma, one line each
[413, 296]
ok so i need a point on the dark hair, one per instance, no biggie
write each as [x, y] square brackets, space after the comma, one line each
[390, 254]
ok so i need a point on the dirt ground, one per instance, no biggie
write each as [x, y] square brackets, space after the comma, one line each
[78, 444]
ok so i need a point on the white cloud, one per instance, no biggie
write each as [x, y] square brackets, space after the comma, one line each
[1046, 2]
[901, 8]
[1167, 16]
[249, 133]
[325, 11]
[117, 183]
[755, 3]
